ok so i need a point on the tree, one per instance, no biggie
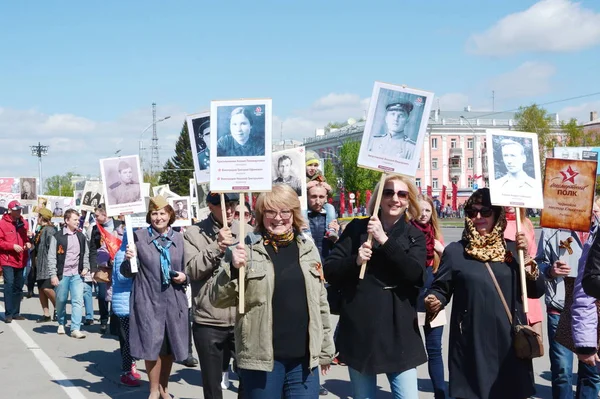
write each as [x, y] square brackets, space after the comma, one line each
[576, 136]
[152, 178]
[329, 171]
[59, 185]
[180, 168]
[536, 119]
[356, 178]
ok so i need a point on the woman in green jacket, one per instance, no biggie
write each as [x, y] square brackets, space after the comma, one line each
[285, 332]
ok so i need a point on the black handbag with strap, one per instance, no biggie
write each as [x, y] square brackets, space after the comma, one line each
[527, 343]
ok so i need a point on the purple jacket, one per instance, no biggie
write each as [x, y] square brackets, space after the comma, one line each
[585, 315]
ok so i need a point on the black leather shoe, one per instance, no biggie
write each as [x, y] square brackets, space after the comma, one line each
[44, 319]
[8, 320]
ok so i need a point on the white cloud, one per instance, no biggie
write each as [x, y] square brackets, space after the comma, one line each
[451, 101]
[547, 26]
[580, 112]
[527, 80]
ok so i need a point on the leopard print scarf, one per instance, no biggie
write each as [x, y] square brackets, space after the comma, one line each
[489, 248]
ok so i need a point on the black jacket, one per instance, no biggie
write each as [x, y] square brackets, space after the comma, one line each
[378, 329]
[591, 273]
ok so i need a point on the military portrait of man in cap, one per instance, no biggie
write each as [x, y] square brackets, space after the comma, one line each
[392, 140]
[126, 189]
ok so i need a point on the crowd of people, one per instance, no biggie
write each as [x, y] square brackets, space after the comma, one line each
[166, 290]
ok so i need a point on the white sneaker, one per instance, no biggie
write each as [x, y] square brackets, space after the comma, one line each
[77, 334]
[60, 330]
[225, 384]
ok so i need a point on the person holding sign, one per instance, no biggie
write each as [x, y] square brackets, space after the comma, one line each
[483, 362]
[285, 332]
[378, 316]
[159, 328]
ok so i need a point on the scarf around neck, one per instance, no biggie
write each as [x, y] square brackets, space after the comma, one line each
[427, 230]
[278, 240]
[165, 255]
[489, 248]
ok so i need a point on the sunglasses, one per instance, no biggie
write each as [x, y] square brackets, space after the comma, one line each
[285, 214]
[389, 193]
[485, 212]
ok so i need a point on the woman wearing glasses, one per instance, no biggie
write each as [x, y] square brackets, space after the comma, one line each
[482, 360]
[378, 331]
[285, 333]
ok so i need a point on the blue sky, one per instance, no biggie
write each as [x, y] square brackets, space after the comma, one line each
[81, 76]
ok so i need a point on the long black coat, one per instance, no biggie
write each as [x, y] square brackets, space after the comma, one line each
[378, 330]
[482, 361]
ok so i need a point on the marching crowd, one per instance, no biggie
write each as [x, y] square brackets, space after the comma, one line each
[169, 287]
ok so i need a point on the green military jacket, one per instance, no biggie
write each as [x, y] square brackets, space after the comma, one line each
[254, 328]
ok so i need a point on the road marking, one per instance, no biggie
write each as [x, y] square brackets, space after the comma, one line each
[51, 368]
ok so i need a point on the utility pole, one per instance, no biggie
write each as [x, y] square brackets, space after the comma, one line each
[493, 101]
[154, 160]
[39, 151]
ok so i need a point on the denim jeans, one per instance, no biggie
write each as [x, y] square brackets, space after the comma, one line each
[102, 303]
[74, 285]
[435, 363]
[88, 300]
[293, 378]
[561, 367]
[13, 290]
[404, 385]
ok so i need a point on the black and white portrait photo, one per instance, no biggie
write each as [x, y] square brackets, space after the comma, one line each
[28, 188]
[183, 211]
[395, 128]
[240, 145]
[92, 196]
[289, 168]
[514, 164]
[199, 132]
[122, 184]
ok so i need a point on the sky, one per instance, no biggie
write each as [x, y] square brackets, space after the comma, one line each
[81, 77]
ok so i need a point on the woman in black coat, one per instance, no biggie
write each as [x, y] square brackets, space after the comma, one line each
[378, 329]
[482, 360]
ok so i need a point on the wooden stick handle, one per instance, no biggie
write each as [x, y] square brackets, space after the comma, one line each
[242, 270]
[363, 267]
[522, 265]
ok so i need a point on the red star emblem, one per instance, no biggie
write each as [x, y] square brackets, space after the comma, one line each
[569, 175]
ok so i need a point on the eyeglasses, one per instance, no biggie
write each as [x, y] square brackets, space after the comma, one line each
[271, 214]
[485, 212]
[389, 193]
[237, 214]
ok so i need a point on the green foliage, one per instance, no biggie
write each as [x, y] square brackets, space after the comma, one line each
[355, 178]
[178, 170]
[59, 185]
[576, 136]
[536, 119]
[329, 171]
[152, 178]
[335, 125]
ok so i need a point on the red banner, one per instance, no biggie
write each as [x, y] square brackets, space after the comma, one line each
[429, 192]
[342, 202]
[443, 196]
[368, 195]
[454, 197]
[112, 243]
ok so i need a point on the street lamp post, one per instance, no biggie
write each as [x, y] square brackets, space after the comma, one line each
[144, 131]
[39, 151]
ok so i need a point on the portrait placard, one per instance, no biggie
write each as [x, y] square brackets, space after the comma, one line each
[122, 179]
[395, 129]
[10, 185]
[240, 145]
[569, 188]
[92, 196]
[57, 205]
[183, 210]
[199, 132]
[193, 191]
[28, 190]
[289, 167]
[164, 191]
[583, 153]
[514, 169]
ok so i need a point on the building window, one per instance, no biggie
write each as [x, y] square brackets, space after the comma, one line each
[434, 143]
[486, 181]
[455, 162]
[419, 165]
[455, 180]
[470, 144]
[470, 182]
[434, 163]
[434, 183]
[470, 163]
[418, 182]
[452, 143]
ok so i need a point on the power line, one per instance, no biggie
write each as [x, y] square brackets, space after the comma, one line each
[547, 103]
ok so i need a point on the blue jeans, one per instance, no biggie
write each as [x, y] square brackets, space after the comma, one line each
[404, 385]
[74, 285]
[13, 290]
[88, 300]
[561, 367]
[435, 363]
[292, 377]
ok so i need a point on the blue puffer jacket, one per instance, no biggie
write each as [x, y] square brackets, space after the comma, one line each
[121, 284]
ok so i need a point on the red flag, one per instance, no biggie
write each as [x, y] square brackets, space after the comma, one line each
[429, 192]
[443, 196]
[454, 196]
[357, 198]
[112, 243]
[342, 203]
[368, 194]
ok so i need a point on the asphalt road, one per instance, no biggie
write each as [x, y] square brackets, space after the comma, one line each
[38, 363]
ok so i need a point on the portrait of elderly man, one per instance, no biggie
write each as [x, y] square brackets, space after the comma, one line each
[393, 141]
[516, 180]
[126, 190]
[286, 175]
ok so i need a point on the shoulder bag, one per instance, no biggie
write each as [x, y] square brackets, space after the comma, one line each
[526, 341]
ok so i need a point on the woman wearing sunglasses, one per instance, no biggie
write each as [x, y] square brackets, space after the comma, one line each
[482, 360]
[285, 332]
[378, 331]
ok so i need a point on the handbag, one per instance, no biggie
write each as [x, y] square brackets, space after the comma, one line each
[527, 343]
[103, 275]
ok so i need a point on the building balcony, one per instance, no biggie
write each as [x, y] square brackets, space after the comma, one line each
[456, 152]
[455, 172]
